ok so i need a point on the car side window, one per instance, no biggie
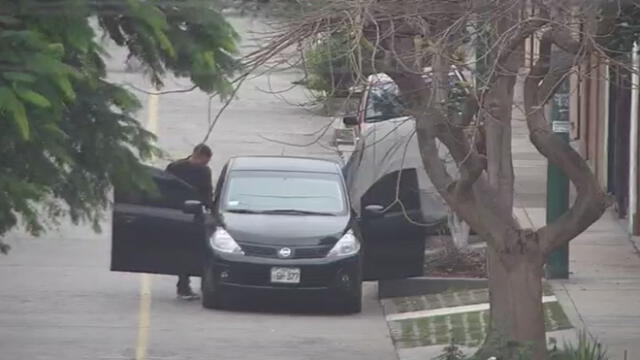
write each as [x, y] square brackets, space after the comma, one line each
[170, 192]
[173, 192]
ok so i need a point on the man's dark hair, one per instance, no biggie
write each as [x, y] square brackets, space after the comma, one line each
[202, 150]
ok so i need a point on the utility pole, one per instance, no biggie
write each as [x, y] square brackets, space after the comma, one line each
[634, 214]
[558, 183]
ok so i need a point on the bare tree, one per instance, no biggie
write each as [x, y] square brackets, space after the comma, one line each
[408, 35]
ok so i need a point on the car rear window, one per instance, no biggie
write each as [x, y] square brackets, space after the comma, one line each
[280, 190]
[384, 103]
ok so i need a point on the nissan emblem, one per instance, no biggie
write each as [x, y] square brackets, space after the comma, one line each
[284, 252]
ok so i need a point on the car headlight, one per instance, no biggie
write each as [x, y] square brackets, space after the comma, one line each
[223, 242]
[347, 245]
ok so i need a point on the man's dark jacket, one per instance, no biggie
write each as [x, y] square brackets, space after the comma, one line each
[198, 176]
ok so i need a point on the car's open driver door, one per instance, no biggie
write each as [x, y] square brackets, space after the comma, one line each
[394, 244]
[152, 234]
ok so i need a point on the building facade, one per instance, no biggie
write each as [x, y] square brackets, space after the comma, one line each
[604, 103]
[604, 120]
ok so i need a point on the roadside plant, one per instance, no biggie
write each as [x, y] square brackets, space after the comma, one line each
[451, 352]
[330, 64]
[587, 348]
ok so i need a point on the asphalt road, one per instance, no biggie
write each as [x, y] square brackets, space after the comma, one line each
[60, 301]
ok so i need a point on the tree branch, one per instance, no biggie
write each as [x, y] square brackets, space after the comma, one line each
[468, 196]
[470, 163]
[471, 107]
[464, 204]
[527, 29]
[564, 40]
[556, 74]
[591, 201]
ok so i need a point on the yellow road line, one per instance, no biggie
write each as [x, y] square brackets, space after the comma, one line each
[144, 317]
[144, 312]
[152, 113]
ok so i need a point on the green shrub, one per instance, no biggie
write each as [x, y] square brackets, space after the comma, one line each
[587, 348]
[451, 352]
[329, 65]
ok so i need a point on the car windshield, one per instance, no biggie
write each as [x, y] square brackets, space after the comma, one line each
[384, 103]
[284, 192]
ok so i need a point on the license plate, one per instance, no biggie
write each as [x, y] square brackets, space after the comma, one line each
[285, 275]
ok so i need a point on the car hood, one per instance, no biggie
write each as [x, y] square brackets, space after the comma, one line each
[290, 230]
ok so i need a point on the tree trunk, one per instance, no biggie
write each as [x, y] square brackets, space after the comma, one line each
[516, 322]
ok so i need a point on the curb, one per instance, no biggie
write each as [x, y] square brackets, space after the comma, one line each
[565, 300]
[427, 285]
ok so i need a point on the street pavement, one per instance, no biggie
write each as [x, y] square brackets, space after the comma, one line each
[60, 301]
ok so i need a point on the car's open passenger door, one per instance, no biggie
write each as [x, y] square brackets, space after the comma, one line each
[393, 238]
[152, 234]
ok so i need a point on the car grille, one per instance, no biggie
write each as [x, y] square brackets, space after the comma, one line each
[260, 251]
[311, 252]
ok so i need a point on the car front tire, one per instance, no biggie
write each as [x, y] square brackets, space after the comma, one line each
[352, 305]
[211, 299]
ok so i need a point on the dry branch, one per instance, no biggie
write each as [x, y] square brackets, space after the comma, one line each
[591, 200]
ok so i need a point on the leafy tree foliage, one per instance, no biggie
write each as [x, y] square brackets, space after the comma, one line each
[329, 66]
[66, 133]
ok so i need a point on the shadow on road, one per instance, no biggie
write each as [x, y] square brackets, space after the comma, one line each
[274, 304]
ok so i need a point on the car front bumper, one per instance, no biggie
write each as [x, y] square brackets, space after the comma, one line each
[321, 276]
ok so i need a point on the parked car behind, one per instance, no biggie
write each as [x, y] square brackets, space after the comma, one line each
[380, 100]
[386, 170]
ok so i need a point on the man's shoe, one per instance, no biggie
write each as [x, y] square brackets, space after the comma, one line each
[188, 295]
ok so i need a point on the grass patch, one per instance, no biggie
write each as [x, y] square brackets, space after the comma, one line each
[442, 300]
[465, 328]
[547, 290]
[449, 299]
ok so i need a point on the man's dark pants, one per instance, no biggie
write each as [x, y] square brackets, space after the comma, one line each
[184, 285]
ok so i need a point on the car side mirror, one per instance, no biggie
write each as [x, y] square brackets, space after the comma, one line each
[350, 120]
[373, 211]
[193, 207]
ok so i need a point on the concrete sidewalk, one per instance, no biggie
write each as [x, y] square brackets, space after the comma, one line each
[603, 292]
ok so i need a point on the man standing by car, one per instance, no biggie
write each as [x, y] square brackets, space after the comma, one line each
[194, 171]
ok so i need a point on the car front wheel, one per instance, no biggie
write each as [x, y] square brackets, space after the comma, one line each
[211, 299]
[352, 303]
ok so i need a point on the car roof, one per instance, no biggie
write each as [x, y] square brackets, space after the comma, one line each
[284, 163]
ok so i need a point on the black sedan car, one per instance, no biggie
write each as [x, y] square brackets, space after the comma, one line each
[283, 224]
[280, 225]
